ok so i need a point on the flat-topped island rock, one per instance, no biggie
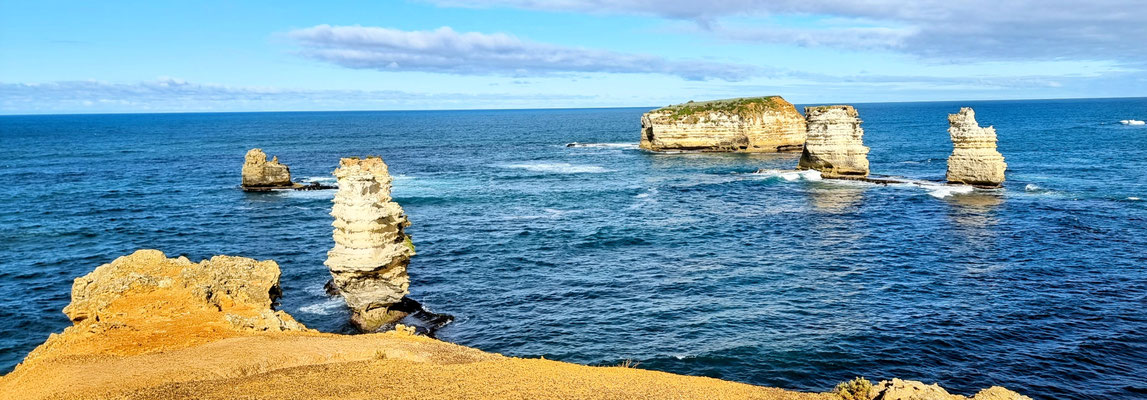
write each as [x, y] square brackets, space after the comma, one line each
[752, 124]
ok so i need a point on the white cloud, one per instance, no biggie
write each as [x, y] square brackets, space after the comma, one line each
[473, 53]
[176, 95]
[934, 29]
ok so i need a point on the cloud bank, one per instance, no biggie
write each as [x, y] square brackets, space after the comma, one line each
[934, 29]
[176, 95]
[444, 50]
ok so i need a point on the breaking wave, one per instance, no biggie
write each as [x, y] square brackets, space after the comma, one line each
[559, 168]
[604, 145]
[790, 175]
[325, 308]
[940, 191]
[326, 180]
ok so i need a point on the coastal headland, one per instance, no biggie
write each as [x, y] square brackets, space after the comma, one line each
[151, 327]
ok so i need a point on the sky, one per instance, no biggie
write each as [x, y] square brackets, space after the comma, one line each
[221, 56]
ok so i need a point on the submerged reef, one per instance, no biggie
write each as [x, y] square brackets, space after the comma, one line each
[835, 145]
[974, 159]
[368, 262]
[756, 124]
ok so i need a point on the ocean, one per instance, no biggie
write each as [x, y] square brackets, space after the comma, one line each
[688, 263]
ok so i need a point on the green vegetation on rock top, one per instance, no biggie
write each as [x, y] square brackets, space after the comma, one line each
[742, 106]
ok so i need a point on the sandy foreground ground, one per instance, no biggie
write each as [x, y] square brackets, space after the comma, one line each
[384, 365]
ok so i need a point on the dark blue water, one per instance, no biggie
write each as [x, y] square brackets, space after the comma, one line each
[688, 263]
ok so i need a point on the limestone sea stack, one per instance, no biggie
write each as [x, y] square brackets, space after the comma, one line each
[835, 144]
[974, 159]
[261, 175]
[368, 262]
[758, 124]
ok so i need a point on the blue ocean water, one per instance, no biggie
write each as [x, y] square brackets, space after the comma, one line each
[688, 263]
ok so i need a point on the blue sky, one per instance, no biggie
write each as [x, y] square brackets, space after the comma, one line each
[137, 56]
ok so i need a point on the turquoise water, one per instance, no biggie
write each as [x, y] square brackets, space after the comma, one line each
[688, 263]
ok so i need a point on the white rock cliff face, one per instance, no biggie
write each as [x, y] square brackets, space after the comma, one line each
[835, 144]
[371, 253]
[974, 159]
[758, 125]
[258, 173]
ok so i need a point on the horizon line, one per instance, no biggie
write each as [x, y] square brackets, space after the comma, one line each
[4, 114]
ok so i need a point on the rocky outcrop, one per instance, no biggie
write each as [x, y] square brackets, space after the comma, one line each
[897, 389]
[759, 124]
[260, 174]
[221, 297]
[974, 159]
[368, 262]
[152, 327]
[835, 144]
[241, 289]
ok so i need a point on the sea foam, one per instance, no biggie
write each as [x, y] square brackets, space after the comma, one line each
[558, 168]
[604, 145]
[790, 175]
[941, 191]
[1132, 122]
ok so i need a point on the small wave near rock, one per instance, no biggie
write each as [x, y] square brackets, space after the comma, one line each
[604, 145]
[942, 191]
[558, 168]
[789, 175]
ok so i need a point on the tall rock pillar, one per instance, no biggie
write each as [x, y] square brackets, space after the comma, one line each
[835, 144]
[368, 262]
[974, 159]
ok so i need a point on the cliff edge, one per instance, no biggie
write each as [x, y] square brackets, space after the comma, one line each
[755, 124]
[151, 327]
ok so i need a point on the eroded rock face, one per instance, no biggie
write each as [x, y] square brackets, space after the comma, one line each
[240, 288]
[368, 262]
[898, 389]
[835, 144]
[974, 159]
[258, 173]
[760, 124]
[117, 308]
